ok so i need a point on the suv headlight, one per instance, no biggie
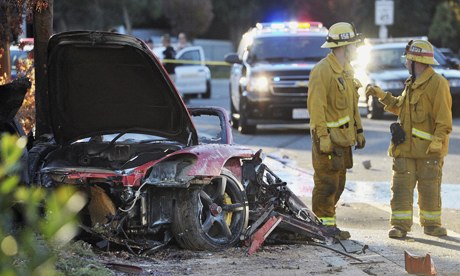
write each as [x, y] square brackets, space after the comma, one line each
[390, 85]
[258, 84]
[454, 82]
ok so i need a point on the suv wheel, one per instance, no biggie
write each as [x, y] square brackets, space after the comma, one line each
[374, 109]
[243, 126]
[211, 217]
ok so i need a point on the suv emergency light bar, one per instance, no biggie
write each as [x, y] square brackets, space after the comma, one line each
[289, 25]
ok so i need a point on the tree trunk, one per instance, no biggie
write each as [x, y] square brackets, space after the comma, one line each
[43, 29]
[5, 66]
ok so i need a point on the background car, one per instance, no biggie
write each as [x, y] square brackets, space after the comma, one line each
[381, 64]
[270, 73]
[192, 76]
[19, 54]
[451, 56]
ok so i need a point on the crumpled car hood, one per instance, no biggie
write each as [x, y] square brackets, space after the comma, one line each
[103, 83]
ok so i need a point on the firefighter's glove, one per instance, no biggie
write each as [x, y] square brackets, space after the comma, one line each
[435, 145]
[325, 144]
[360, 141]
[374, 90]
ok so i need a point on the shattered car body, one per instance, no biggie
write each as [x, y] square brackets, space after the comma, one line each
[122, 135]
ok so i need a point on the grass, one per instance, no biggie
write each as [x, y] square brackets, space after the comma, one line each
[77, 258]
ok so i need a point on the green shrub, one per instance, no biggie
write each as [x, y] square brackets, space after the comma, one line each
[47, 219]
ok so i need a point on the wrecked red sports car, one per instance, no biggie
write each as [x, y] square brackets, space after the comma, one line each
[121, 133]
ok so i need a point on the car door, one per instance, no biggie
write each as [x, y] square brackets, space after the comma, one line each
[192, 74]
[235, 79]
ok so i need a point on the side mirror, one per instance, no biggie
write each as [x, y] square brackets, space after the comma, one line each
[232, 58]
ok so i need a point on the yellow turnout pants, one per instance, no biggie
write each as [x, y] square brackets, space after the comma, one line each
[426, 174]
[329, 177]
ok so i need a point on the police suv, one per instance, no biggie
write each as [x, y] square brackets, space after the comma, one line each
[270, 73]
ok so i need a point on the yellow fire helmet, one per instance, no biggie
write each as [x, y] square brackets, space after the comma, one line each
[341, 34]
[420, 51]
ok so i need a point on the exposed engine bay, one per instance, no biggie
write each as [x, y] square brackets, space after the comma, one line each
[113, 156]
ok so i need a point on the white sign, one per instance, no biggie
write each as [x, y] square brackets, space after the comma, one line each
[384, 12]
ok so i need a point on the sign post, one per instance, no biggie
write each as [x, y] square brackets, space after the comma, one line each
[384, 14]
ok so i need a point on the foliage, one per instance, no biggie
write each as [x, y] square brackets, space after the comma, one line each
[26, 114]
[78, 258]
[233, 19]
[3, 76]
[103, 14]
[48, 220]
[445, 29]
[11, 14]
[190, 16]
[86, 14]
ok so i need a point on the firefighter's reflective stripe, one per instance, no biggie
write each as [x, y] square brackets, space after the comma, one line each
[329, 221]
[422, 134]
[402, 215]
[339, 123]
[430, 215]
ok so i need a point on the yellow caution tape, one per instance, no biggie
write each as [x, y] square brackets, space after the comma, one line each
[209, 62]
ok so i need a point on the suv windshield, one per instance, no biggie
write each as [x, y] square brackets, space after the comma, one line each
[287, 48]
[381, 59]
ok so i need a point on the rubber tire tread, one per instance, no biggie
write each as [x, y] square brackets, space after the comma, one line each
[186, 227]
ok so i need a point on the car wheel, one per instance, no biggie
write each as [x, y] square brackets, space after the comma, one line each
[36, 157]
[207, 94]
[211, 217]
[243, 126]
[374, 109]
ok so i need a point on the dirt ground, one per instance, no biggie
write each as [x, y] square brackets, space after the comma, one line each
[270, 260]
[367, 223]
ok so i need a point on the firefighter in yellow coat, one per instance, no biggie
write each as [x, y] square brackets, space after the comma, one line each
[419, 146]
[335, 122]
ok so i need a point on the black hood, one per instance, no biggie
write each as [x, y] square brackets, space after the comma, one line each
[103, 83]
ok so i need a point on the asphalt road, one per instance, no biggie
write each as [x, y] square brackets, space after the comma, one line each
[366, 218]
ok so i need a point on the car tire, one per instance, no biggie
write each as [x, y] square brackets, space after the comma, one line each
[243, 126]
[213, 216]
[374, 109]
[207, 94]
[36, 159]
